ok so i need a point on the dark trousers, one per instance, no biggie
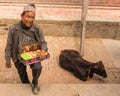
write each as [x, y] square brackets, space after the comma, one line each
[36, 71]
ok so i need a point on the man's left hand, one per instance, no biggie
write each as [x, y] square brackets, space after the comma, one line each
[42, 54]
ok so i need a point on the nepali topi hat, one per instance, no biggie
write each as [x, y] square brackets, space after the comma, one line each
[29, 7]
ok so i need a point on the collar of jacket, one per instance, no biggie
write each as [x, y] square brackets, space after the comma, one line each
[19, 27]
[29, 33]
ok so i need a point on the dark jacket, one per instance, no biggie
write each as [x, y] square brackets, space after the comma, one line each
[15, 31]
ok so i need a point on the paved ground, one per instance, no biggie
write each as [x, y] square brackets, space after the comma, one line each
[61, 90]
[56, 81]
[95, 50]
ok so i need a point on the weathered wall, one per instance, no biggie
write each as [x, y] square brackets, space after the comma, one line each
[95, 29]
[105, 2]
[92, 2]
[72, 28]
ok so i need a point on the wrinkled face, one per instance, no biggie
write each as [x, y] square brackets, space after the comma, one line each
[28, 18]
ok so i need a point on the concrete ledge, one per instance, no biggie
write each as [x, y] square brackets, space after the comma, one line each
[61, 90]
[95, 29]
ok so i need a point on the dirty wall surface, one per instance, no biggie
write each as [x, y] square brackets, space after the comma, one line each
[95, 29]
[77, 2]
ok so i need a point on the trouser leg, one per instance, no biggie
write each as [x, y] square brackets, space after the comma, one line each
[36, 71]
[21, 68]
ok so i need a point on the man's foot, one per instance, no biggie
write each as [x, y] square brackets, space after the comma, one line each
[35, 89]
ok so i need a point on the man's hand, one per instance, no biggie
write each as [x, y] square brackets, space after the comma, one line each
[8, 65]
[42, 54]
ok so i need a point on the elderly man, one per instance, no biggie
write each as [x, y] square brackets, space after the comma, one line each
[25, 32]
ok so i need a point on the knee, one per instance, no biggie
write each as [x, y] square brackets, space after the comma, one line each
[36, 66]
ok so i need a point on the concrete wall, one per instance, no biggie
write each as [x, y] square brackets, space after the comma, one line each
[56, 20]
[105, 2]
[92, 2]
[95, 29]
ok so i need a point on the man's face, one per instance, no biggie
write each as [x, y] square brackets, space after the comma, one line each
[28, 18]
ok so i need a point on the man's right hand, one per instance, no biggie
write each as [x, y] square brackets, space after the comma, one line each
[8, 65]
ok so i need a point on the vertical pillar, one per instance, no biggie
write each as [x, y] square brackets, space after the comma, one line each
[83, 25]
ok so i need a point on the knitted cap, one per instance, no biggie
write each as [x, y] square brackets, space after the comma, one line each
[29, 7]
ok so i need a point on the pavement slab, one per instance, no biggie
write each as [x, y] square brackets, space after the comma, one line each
[95, 49]
[61, 90]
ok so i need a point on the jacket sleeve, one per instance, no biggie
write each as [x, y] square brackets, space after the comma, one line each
[42, 40]
[8, 48]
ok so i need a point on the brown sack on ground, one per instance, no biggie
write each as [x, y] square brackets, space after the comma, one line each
[81, 68]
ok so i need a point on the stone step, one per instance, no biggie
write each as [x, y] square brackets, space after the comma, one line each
[61, 90]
